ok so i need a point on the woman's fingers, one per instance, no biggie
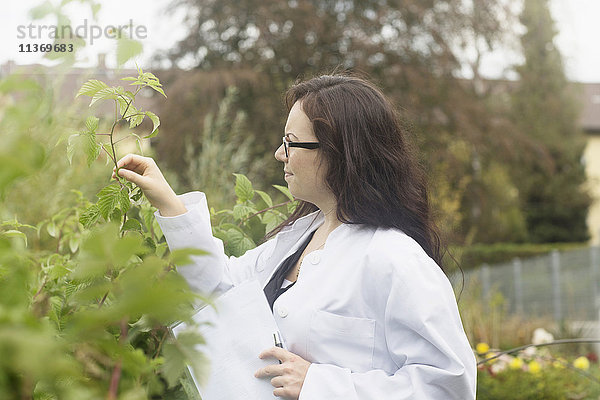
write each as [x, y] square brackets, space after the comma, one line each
[131, 176]
[134, 162]
[144, 172]
[276, 352]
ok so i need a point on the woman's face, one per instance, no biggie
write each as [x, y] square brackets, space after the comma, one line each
[303, 173]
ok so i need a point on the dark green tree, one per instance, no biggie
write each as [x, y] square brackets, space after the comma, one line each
[545, 108]
[413, 49]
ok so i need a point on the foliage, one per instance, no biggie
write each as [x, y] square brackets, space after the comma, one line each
[252, 217]
[545, 107]
[536, 371]
[477, 254]
[223, 146]
[413, 50]
[551, 383]
[97, 294]
[530, 369]
[94, 306]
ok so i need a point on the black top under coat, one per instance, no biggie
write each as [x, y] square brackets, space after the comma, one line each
[273, 289]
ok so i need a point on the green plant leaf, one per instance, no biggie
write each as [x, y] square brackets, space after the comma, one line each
[241, 211]
[112, 197]
[127, 49]
[123, 106]
[90, 216]
[271, 220]
[238, 243]
[91, 87]
[155, 124]
[243, 188]
[181, 352]
[181, 257]
[85, 142]
[74, 243]
[135, 120]
[91, 123]
[14, 233]
[92, 148]
[159, 90]
[265, 197]
[42, 10]
[149, 77]
[104, 94]
[285, 191]
[52, 229]
[132, 224]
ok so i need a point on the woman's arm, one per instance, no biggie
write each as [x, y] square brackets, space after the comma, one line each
[185, 222]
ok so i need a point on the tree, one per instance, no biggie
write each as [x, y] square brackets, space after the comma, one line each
[414, 50]
[544, 107]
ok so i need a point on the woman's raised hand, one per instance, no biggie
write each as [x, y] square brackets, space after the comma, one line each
[144, 172]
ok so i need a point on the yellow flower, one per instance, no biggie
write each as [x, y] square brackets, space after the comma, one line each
[516, 363]
[534, 367]
[482, 348]
[559, 363]
[581, 363]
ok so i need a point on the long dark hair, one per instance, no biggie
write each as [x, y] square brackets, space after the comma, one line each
[373, 170]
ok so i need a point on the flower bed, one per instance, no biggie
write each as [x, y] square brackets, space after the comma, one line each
[536, 372]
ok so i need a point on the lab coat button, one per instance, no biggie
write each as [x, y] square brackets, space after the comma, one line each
[282, 311]
[315, 259]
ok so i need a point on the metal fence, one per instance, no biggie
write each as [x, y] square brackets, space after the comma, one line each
[562, 285]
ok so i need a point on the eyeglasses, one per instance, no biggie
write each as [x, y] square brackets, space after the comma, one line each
[304, 145]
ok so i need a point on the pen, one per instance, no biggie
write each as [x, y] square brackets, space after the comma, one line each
[278, 343]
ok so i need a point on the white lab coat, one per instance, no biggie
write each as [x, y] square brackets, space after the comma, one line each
[375, 316]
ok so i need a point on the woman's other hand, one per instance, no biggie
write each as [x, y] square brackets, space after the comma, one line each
[144, 172]
[288, 376]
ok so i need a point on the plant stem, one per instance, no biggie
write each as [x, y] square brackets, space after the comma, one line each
[41, 287]
[157, 353]
[103, 300]
[116, 374]
[516, 349]
[262, 211]
[123, 138]
[117, 120]
[108, 154]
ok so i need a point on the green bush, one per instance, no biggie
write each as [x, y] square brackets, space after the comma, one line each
[84, 312]
[96, 294]
[475, 255]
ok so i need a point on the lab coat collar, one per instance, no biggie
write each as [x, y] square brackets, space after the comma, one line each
[314, 220]
[303, 226]
[289, 239]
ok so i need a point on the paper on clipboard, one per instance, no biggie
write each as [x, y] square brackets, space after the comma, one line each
[241, 327]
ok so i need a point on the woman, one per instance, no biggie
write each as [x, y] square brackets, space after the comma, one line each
[353, 276]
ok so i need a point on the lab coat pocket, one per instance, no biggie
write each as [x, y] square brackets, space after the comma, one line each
[343, 341]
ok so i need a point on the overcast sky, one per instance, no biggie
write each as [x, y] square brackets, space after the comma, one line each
[578, 22]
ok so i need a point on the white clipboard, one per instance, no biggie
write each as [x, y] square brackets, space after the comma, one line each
[241, 327]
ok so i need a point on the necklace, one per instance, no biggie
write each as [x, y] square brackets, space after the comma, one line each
[302, 259]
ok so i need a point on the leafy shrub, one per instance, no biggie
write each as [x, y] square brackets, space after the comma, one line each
[95, 298]
[536, 371]
[475, 255]
[88, 317]
[548, 384]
